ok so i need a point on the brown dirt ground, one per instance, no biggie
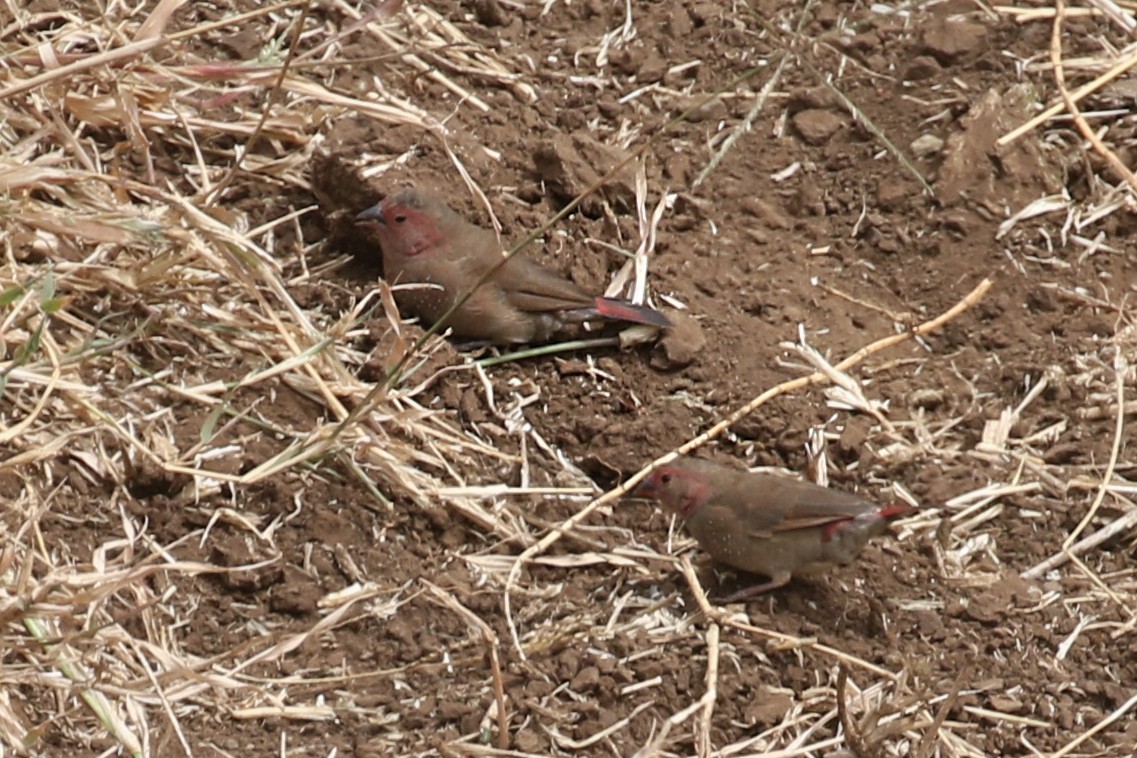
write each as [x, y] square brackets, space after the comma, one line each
[755, 260]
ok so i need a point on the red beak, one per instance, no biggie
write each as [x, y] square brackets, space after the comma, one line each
[645, 489]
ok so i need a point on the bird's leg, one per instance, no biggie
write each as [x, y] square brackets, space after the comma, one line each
[777, 580]
[472, 345]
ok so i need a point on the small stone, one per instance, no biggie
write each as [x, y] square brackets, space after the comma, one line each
[921, 67]
[527, 741]
[927, 398]
[586, 679]
[817, 127]
[1006, 704]
[449, 710]
[948, 41]
[652, 69]
[715, 110]
[894, 192]
[926, 146]
[767, 212]
[679, 22]
[489, 13]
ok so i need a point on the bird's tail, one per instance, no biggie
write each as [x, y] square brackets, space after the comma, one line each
[872, 523]
[622, 310]
[896, 510]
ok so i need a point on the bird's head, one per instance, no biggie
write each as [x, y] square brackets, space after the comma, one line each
[678, 489]
[407, 222]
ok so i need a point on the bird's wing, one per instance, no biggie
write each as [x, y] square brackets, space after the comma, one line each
[782, 505]
[821, 511]
[533, 287]
[526, 285]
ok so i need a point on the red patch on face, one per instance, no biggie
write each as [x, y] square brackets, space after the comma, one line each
[698, 492]
[415, 232]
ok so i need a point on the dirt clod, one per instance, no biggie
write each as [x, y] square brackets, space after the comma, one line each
[681, 344]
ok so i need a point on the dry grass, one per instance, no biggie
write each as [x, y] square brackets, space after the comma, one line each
[101, 268]
[125, 302]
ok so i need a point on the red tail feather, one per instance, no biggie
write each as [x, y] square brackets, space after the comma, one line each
[896, 510]
[622, 310]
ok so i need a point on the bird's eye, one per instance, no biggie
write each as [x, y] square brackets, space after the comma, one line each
[665, 479]
[400, 219]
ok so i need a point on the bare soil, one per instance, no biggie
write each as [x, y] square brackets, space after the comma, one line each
[840, 250]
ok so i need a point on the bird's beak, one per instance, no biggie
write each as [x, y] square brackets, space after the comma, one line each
[645, 490]
[374, 214]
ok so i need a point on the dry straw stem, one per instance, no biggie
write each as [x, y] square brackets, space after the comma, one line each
[68, 663]
[1102, 8]
[710, 692]
[784, 641]
[826, 80]
[818, 377]
[1120, 370]
[932, 735]
[490, 638]
[1117, 713]
[900, 318]
[1117, 15]
[274, 94]
[444, 44]
[1071, 546]
[1117, 69]
[1117, 527]
[635, 269]
[705, 705]
[106, 401]
[747, 122]
[1072, 106]
[1029, 15]
[112, 56]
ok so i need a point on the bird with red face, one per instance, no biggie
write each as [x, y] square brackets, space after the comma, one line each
[426, 243]
[766, 524]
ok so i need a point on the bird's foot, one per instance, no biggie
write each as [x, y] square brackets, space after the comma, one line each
[472, 345]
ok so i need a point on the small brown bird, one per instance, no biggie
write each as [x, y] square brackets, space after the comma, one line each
[425, 242]
[766, 524]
